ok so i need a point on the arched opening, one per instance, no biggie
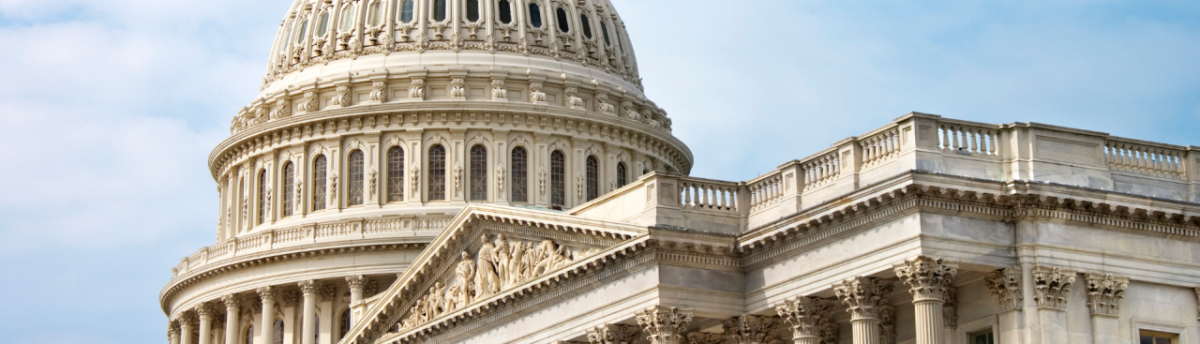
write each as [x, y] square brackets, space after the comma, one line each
[263, 207]
[586, 25]
[622, 180]
[406, 11]
[535, 15]
[504, 12]
[277, 333]
[289, 190]
[472, 10]
[355, 187]
[563, 25]
[558, 179]
[437, 173]
[479, 173]
[395, 174]
[318, 188]
[249, 337]
[439, 10]
[593, 178]
[345, 324]
[520, 170]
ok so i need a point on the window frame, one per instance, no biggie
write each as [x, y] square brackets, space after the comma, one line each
[511, 12]
[622, 170]
[1176, 329]
[433, 6]
[466, 11]
[320, 184]
[412, 14]
[395, 181]
[356, 172]
[264, 207]
[478, 168]
[562, 18]
[522, 173]
[585, 24]
[591, 178]
[558, 178]
[536, 12]
[430, 175]
[288, 183]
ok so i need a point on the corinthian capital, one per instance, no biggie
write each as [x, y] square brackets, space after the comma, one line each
[356, 281]
[309, 287]
[750, 329]
[1105, 291]
[205, 311]
[232, 302]
[863, 295]
[927, 278]
[613, 334]
[806, 316]
[266, 293]
[665, 325]
[1005, 284]
[1052, 284]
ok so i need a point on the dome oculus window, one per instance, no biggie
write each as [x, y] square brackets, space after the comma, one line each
[322, 24]
[395, 174]
[535, 15]
[375, 13]
[520, 170]
[504, 12]
[472, 10]
[604, 32]
[586, 24]
[347, 18]
[563, 25]
[406, 12]
[439, 10]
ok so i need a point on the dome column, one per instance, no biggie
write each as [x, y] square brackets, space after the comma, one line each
[173, 332]
[233, 307]
[206, 314]
[864, 296]
[187, 325]
[267, 295]
[356, 294]
[308, 332]
[928, 280]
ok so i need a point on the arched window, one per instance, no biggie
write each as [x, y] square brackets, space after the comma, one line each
[437, 173]
[586, 24]
[439, 10]
[558, 179]
[249, 335]
[375, 13]
[303, 31]
[479, 173]
[322, 24]
[604, 32]
[345, 324]
[406, 11]
[472, 10]
[395, 174]
[593, 178]
[535, 15]
[348, 18]
[289, 189]
[621, 178]
[504, 12]
[318, 188]
[263, 207]
[562, 20]
[355, 189]
[520, 170]
[277, 333]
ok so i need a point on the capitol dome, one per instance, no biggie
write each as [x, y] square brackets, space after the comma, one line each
[380, 120]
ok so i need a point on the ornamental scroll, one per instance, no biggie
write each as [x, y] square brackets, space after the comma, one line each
[500, 264]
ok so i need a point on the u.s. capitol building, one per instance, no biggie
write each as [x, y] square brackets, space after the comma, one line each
[490, 171]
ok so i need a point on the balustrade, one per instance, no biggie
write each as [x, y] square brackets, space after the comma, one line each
[1142, 159]
[880, 147]
[695, 194]
[766, 192]
[821, 170]
[965, 139]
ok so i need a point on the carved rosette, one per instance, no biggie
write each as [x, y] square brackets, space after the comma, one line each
[863, 296]
[613, 334]
[1104, 293]
[750, 329]
[927, 278]
[1052, 285]
[805, 316]
[1005, 284]
[665, 325]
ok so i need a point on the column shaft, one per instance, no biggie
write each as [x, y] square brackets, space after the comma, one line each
[206, 329]
[185, 332]
[231, 323]
[268, 315]
[1104, 329]
[173, 335]
[929, 321]
[866, 330]
[308, 333]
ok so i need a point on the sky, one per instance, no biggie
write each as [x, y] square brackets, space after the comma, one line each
[109, 109]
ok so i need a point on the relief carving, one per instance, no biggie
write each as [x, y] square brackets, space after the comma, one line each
[1052, 285]
[416, 90]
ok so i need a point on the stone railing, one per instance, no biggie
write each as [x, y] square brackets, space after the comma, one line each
[308, 234]
[915, 142]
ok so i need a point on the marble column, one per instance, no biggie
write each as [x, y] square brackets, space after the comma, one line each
[665, 325]
[806, 317]
[308, 332]
[173, 332]
[267, 295]
[1052, 287]
[206, 314]
[613, 334]
[233, 309]
[1005, 285]
[750, 329]
[356, 295]
[927, 279]
[187, 325]
[1104, 294]
[863, 296]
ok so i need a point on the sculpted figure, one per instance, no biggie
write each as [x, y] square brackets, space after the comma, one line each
[486, 280]
[466, 273]
[456, 89]
[379, 91]
[536, 95]
[574, 101]
[502, 259]
[516, 265]
[498, 91]
[630, 111]
[603, 105]
[343, 96]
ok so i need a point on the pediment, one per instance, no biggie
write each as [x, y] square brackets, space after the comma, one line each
[487, 253]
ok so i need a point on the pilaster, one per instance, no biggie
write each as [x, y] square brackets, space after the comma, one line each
[1005, 285]
[1051, 287]
[665, 325]
[807, 317]
[1104, 294]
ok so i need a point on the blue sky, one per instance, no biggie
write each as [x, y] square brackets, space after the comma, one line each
[108, 110]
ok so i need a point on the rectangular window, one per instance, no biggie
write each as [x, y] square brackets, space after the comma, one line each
[982, 337]
[1156, 337]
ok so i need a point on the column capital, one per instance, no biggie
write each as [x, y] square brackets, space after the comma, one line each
[863, 296]
[205, 311]
[613, 334]
[1104, 293]
[1005, 284]
[172, 328]
[750, 329]
[266, 293]
[927, 278]
[187, 319]
[232, 302]
[806, 316]
[290, 298]
[665, 325]
[1052, 285]
[309, 287]
[356, 281]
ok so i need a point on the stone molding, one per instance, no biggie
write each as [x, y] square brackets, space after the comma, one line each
[1005, 285]
[927, 278]
[805, 316]
[665, 325]
[750, 329]
[613, 334]
[1052, 285]
[863, 296]
[1104, 293]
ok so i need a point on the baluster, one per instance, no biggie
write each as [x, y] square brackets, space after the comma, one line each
[945, 137]
[972, 136]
